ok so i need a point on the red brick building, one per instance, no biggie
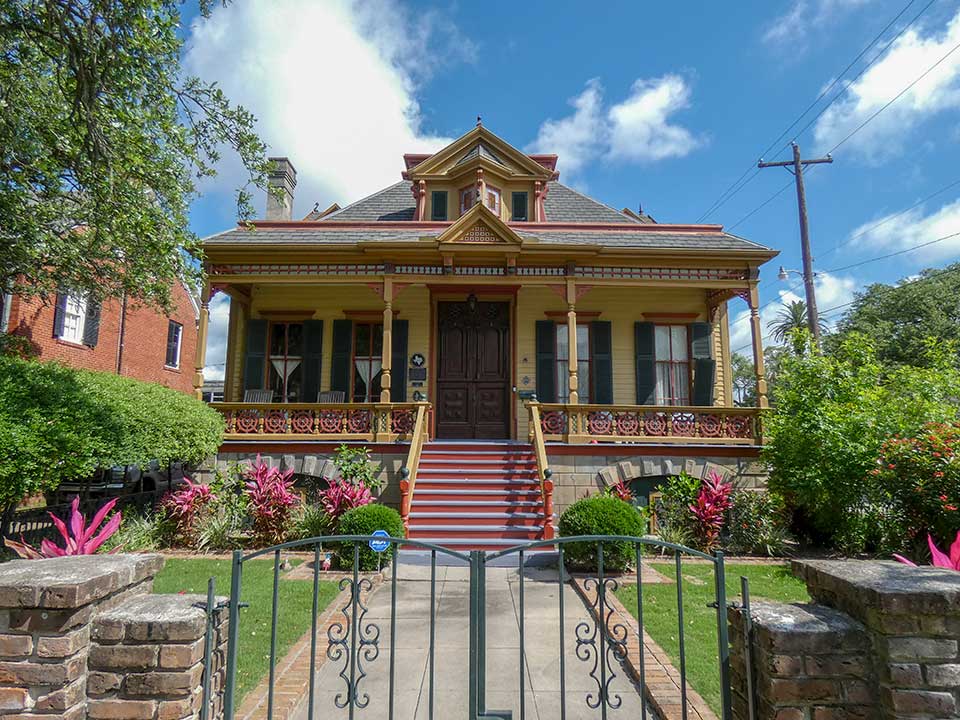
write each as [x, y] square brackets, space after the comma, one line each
[117, 337]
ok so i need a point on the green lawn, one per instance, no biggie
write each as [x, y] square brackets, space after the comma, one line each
[296, 599]
[769, 582]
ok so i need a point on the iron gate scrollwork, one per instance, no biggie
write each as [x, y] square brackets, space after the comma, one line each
[600, 648]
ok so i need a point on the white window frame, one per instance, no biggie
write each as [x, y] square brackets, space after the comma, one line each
[74, 319]
[179, 326]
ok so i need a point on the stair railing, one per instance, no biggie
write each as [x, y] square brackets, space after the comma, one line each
[544, 473]
[408, 473]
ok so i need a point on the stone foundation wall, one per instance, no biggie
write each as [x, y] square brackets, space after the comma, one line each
[82, 637]
[575, 476]
[320, 466]
[880, 640]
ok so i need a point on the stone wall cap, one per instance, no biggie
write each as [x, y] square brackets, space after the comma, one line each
[73, 581]
[801, 618]
[155, 617]
[887, 585]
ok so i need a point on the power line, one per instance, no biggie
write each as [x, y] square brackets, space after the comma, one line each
[894, 254]
[726, 195]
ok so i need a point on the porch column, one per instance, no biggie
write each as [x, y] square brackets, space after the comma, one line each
[756, 333]
[201, 353]
[572, 342]
[386, 362]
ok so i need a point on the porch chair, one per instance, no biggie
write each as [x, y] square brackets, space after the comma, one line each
[258, 396]
[332, 396]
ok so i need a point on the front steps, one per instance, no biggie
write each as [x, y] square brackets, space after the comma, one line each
[476, 496]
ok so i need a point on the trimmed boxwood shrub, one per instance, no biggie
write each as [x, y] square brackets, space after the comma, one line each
[59, 424]
[365, 520]
[601, 515]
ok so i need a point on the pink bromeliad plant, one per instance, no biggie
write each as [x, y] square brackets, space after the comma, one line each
[710, 510]
[272, 501]
[185, 505]
[939, 558]
[79, 538]
[342, 495]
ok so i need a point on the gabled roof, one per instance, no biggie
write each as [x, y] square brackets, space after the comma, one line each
[503, 154]
[480, 224]
[480, 150]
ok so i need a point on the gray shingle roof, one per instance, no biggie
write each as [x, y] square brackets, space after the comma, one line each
[392, 203]
[611, 239]
[564, 204]
[481, 150]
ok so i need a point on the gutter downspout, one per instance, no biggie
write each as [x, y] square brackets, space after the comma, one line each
[123, 329]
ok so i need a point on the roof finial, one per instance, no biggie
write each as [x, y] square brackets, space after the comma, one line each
[479, 121]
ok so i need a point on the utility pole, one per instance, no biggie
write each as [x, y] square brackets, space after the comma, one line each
[796, 166]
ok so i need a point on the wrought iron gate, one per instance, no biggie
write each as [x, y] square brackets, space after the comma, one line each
[353, 641]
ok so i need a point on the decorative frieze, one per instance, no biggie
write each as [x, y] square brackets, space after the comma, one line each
[636, 273]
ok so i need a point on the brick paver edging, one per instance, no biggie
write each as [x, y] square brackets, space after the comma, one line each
[293, 670]
[662, 680]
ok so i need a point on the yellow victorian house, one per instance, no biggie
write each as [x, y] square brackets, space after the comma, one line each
[502, 343]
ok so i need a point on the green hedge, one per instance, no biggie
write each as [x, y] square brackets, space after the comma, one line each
[59, 424]
[601, 515]
[364, 520]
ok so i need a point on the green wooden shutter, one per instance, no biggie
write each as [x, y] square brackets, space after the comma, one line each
[704, 366]
[519, 206]
[644, 334]
[546, 361]
[601, 362]
[398, 361]
[59, 314]
[91, 324]
[438, 205]
[254, 363]
[340, 370]
[312, 359]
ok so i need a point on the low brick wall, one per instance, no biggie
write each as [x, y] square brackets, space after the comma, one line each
[880, 640]
[83, 638]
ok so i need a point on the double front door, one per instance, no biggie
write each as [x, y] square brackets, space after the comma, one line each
[473, 374]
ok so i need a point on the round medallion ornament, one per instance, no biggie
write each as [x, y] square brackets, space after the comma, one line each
[627, 423]
[553, 422]
[330, 421]
[301, 421]
[418, 360]
[684, 424]
[275, 421]
[247, 421]
[711, 425]
[600, 423]
[655, 424]
[738, 426]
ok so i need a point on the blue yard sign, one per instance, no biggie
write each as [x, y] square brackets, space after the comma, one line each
[380, 545]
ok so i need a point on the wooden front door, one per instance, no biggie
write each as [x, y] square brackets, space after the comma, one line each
[473, 375]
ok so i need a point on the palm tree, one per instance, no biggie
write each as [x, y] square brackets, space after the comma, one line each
[792, 317]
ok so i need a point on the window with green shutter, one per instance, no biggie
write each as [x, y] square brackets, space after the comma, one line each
[438, 205]
[519, 206]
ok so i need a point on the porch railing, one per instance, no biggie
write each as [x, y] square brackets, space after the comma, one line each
[544, 473]
[408, 473]
[648, 424]
[370, 422]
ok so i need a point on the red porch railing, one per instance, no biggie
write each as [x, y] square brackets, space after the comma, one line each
[579, 424]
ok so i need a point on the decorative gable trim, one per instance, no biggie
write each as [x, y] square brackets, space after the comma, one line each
[452, 153]
[479, 225]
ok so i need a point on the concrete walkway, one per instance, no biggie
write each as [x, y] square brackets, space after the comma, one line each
[412, 695]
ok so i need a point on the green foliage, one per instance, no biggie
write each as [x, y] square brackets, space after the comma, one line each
[19, 346]
[365, 520]
[675, 522]
[355, 466]
[745, 379]
[311, 521]
[60, 424]
[790, 318]
[833, 414]
[601, 515]
[900, 318]
[757, 524]
[921, 475]
[104, 138]
[144, 531]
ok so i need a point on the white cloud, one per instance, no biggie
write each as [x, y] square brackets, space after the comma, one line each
[217, 337]
[907, 59]
[914, 228]
[803, 16]
[831, 290]
[636, 129]
[332, 83]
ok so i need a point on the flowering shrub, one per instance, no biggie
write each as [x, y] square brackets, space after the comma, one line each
[757, 523]
[675, 522]
[184, 506]
[78, 538]
[710, 510]
[272, 501]
[921, 475]
[939, 558]
[342, 496]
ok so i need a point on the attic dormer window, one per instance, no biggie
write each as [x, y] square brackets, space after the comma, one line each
[493, 199]
[468, 197]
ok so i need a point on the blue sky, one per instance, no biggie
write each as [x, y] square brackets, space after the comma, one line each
[659, 104]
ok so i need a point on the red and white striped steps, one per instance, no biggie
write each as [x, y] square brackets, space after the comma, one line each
[476, 496]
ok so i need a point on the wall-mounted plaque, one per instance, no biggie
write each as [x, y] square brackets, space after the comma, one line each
[418, 374]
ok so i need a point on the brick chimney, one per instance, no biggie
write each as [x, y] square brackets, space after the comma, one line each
[282, 175]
